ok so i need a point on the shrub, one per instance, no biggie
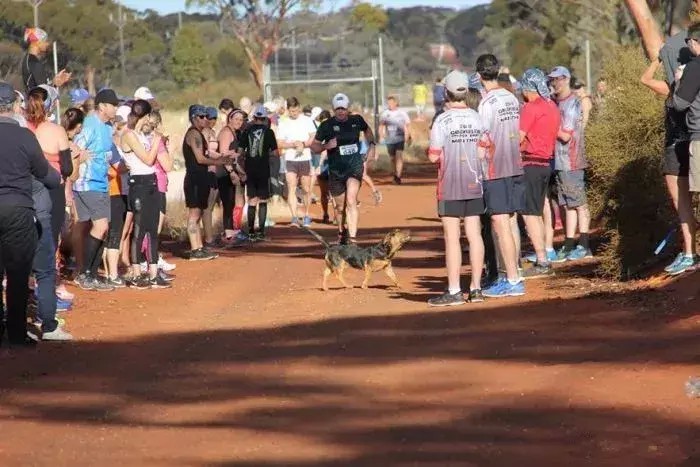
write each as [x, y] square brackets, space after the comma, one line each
[624, 146]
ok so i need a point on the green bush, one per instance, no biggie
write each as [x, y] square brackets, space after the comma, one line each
[625, 146]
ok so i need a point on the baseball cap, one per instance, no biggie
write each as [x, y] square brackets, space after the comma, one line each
[32, 35]
[315, 112]
[106, 96]
[340, 101]
[197, 110]
[7, 94]
[50, 94]
[559, 72]
[144, 93]
[78, 96]
[475, 82]
[260, 111]
[212, 113]
[123, 112]
[456, 82]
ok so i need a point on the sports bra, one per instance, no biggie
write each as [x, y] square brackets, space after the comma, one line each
[134, 162]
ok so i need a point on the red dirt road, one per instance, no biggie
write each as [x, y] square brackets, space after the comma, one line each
[247, 363]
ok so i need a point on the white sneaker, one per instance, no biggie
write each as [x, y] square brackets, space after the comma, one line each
[164, 265]
[57, 334]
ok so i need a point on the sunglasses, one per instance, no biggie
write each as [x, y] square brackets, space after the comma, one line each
[201, 116]
[688, 39]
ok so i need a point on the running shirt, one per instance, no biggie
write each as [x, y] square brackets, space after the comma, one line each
[395, 122]
[192, 167]
[540, 121]
[347, 134]
[134, 162]
[161, 174]
[456, 135]
[420, 94]
[500, 113]
[571, 156]
[96, 137]
[297, 129]
[258, 141]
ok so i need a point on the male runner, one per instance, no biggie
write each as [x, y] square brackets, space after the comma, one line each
[395, 130]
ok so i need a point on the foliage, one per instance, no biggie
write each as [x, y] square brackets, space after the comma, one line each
[624, 146]
[365, 16]
[463, 33]
[189, 62]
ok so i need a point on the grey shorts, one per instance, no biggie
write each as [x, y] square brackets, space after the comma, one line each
[92, 205]
[301, 168]
[694, 166]
[571, 188]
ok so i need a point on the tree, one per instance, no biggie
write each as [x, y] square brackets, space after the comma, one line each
[463, 33]
[256, 24]
[189, 63]
[369, 17]
[648, 27]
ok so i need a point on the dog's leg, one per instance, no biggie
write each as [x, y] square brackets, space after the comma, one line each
[368, 273]
[326, 272]
[341, 270]
[392, 275]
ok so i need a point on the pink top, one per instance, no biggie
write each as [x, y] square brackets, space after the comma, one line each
[161, 175]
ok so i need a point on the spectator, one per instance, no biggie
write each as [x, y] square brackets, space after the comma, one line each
[420, 97]
[579, 88]
[20, 159]
[33, 69]
[439, 95]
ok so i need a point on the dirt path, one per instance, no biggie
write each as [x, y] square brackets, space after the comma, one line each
[246, 363]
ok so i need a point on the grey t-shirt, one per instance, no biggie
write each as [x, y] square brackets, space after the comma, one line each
[395, 121]
[572, 155]
[673, 54]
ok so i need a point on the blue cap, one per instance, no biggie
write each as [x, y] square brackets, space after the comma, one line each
[559, 72]
[212, 113]
[78, 96]
[197, 110]
[260, 111]
[7, 94]
[475, 82]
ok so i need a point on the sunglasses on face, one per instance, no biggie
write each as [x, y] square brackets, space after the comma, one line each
[201, 116]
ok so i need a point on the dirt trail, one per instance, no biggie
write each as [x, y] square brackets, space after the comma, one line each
[247, 363]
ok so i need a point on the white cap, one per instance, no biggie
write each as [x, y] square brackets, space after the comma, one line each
[315, 112]
[456, 82]
[270, 106]
[51, 92]
[123, 112]
[144, 93]
[340, 101]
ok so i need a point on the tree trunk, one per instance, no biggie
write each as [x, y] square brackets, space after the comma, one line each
[647, 26]
[90, 79]
[256, 72]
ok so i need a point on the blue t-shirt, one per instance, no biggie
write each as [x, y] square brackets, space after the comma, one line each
[96, 137]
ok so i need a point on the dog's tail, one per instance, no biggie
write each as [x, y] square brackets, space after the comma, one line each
[317, 237]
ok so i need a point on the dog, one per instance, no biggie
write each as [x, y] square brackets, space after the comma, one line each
[369, 259]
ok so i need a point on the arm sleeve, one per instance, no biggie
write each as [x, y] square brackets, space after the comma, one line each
[321, 132]
[688, 88]
[38, 165]
[363, 124]
[65, 162]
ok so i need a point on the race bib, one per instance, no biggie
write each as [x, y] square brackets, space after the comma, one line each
[348, 150]
[392, 129]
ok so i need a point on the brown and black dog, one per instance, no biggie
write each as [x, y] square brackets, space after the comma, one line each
[369, 259]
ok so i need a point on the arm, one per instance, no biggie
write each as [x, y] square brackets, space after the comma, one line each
[688, 87]
[318, 144]
[225, 139]
[568, 124]
[371, 151]
[52, 179]
[195, 142]
[164, 158]
[656, 85]
[586, 106]
[130, 141]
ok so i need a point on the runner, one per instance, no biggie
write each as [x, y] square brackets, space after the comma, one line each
[231, 185]
[197, 183]
[570, 164]
[395, 130]
[33, 69]
[140, 153]
[539, 125]
[439, 96]
[259, 145]
[209, 133]
[295, 135]
[340, 137]
[164, 164]
[504, 187]
[454, 146]
[90, 190]
[323, 172]
[420, 98]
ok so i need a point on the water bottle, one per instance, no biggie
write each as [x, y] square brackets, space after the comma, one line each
[692, 387]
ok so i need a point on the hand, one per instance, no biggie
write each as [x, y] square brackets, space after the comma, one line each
[214, 155]
[62, 78]
[84, 155]
[331, 144]
[299, 146]
[679, 73]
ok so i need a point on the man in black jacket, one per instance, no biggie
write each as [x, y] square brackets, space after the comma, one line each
[687, 97]
[20, 158]
[33, 68]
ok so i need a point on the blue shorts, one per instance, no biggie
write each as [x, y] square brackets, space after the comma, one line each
[505, 195]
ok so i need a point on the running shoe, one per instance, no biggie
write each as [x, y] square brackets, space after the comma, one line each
[307, 221]
[140, 283]
[165, 276]
[682, 266]
[62, 293]
[447, 299]
[63, 305]
[117, 282]
[295, 221]
[57, 335]
[579, 253]
[164, 265]
[397, 180]
[159, 283]
[538, 271]
[504, 288]
[562, 255]
[476, 296]
[343, 237]
[258, 237]
[201, 255]
[675, 262]
[269, 222]
[93, 283]
[550, 255]
[326, 219]
[377, 197]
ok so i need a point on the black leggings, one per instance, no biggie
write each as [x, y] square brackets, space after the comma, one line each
[227, 193]
[117, 206]
[145, 204]
[58, 211]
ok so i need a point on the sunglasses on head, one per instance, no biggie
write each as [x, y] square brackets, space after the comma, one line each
[688, 39]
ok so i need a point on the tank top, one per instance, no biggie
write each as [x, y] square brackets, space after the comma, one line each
[135, 164]
[51, 157]
[192, 167]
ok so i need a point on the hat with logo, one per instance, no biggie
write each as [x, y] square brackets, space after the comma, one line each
[475, 82]
[456, 82]
[32, 35]
[78, 96]
[260, 111]
[340, 101]
[559, 72]
[144, 93]
[107, 96]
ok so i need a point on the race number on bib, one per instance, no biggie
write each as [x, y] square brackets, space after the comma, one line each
[348, 150]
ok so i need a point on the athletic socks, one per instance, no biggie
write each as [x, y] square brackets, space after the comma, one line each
[237, 218]
[583, 240]
[569, 244]
[262, 217]
[92, 256]
[251, 219]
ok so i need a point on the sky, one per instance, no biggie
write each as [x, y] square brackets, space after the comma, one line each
[172, 6]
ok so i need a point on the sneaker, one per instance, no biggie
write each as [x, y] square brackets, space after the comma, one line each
[326, 219]
[295, 221]
[675, 262]
[159, 283]
[447, 299]
[140, 283]
[476, 296]
[258, 237]
[397, 180]
[269, 222]
[58, 334]
[101, 285]
[208, 251]
[307, 221]
[83, 281]
[201, 255]
[550, 255]
[164, 265]
[683, 265]
[63, 294]
[579, 253]
[503, 288]
[63, 305]
[117, 282]
[165, 276]
[561, 255]
[343, 237]
[538, 270]
[377, 197]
